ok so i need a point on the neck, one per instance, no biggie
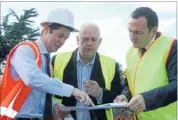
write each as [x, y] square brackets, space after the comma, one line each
[86, 60]
[44, 40]
[149, 43]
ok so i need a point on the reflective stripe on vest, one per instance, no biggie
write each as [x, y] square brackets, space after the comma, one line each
[107, 66]
[14, 93]
[148, 72]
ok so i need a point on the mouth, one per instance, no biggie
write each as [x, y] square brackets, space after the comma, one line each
[134, 41]
[88, 49]
[58, 45]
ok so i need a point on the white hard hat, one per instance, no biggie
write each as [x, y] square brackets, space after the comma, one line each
[61, 16]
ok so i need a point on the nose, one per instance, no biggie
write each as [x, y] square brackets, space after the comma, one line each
[132, 35]
[62, 41]
[89, 42]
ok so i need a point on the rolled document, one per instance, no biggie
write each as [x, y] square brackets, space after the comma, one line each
[97, 107]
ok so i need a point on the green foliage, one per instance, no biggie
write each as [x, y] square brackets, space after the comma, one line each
[15, 29]
[122, 73]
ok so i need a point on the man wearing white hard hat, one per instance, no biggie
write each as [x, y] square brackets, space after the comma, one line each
[27, 87]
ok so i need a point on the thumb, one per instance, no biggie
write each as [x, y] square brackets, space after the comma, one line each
[78, 97]
[91, 82]
[117, 99]
[114, 101]
[87, 84]
[123, 98]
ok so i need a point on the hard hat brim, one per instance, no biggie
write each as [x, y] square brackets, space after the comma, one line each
[72, 29]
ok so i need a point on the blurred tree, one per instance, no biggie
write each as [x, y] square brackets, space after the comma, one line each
[15, 29]
[122, 72]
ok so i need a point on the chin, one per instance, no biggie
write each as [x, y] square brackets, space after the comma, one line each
[57, 48]
[136, 46]
[54, 50]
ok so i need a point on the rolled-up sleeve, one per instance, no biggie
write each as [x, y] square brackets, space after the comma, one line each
[24, 64]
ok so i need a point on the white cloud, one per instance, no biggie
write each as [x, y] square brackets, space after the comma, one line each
[160, 6]
[165, 25]
[113, 29]
[115, 38]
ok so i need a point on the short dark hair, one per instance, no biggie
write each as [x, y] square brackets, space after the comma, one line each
[148, 13]
[55, 26]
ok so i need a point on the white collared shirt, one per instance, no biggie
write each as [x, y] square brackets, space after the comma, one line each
[83, 74]
[23, 65]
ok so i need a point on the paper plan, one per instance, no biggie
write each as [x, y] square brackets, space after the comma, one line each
[103, 106]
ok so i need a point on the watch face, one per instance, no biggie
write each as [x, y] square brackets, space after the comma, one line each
[123, 114]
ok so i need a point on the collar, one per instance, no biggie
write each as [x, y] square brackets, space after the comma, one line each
[150, 42]
[79, 58]
[42, 47]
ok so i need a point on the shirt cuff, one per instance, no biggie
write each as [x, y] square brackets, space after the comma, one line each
[99, 99]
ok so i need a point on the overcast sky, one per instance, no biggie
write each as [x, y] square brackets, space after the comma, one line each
[111, 17]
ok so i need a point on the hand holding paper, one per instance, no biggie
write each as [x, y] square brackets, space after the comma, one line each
[120, 98]
[97, 107]
[60, 113]
[137, 103]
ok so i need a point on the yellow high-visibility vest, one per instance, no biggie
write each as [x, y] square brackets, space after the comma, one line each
[148, 72]
[107, 66]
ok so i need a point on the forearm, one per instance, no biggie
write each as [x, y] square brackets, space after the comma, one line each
[99, 99]
[42, 82]
[160, 97]
[24, 65]
[165, 95]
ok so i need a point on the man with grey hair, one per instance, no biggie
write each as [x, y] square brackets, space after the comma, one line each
[92, 72]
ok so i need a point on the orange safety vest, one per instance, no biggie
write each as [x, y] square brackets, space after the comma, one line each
[15, 92]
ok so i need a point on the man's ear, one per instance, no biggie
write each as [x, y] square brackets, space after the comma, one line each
[100, 40]
[45, 28]
[154, 30]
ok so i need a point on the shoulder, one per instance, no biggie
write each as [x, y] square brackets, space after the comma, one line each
[22, 53]
[24, 50]
[174, 44]
[106, 57]
[61, 56]
[129, 51]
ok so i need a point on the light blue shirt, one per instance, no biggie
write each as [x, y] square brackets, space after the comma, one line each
[23, 65]
[83, 74]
